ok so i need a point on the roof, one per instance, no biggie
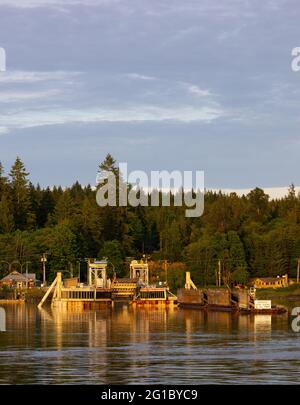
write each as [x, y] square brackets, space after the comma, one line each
[126, 280]
[16, 276]
[269, 279]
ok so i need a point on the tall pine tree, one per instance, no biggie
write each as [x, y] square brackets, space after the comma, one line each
[20, 194]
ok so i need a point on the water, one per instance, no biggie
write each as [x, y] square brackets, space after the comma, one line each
[131, 346]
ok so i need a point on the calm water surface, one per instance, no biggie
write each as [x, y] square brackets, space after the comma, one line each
[131, 346]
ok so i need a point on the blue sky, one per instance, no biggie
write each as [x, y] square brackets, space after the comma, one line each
[187, 85]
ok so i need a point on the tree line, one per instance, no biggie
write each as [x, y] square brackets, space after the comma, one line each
[245, 236]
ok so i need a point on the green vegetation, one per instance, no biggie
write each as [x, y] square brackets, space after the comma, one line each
[246, 236]
[288, 296]
[268, 293]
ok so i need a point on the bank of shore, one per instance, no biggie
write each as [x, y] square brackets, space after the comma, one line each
[288, 297]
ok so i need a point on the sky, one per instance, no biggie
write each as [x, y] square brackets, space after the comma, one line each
[159, 84]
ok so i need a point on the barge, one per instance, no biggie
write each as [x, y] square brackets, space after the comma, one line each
[225, 299]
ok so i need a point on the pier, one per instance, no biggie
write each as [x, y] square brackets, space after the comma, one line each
[70, 293]
[100, 290]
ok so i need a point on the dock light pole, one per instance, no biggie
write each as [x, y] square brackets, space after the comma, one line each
[44, 260]
[219, 273]
[298, 269]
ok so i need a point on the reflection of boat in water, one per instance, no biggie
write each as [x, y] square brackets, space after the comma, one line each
[225, 299]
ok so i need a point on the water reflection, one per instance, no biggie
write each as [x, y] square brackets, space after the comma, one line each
[263, 323]
[127, 345]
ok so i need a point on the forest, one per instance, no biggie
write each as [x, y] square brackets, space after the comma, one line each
[247, 236]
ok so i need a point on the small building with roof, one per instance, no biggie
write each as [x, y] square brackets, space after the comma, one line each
[18, 280]
[271, 282]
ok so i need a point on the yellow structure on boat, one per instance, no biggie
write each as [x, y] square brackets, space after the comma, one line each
[71, 293]
[145, 293]
[139, 270]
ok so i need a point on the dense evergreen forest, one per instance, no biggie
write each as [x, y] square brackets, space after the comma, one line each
[249, 236]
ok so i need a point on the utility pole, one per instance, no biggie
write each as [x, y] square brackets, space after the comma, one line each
[71, 269]
[26, 275]
[79, 269]
[298, 270]
[43, 260]
[166, 270]
[219, 273]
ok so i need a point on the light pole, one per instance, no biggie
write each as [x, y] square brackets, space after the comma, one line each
[44, 260]
[166, 270]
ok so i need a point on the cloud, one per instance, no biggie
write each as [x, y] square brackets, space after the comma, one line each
[273, 192]
[3, 130]
[32, 118]
[17, 96]
[23, 76]
[197, 91]
[139, 76]
[54, 3]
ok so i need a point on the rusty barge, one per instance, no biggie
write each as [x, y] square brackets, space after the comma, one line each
[224, 299]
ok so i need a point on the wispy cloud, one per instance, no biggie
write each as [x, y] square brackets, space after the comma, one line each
[3, 130]
[19, 96]
[192, 88]
[28, 119]
[23, 76]
[138, 76]
[54, 3]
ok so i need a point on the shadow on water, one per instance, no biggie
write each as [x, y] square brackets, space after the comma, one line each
[124, 345]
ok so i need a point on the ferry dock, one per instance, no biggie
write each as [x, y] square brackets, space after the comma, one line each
[101, 291]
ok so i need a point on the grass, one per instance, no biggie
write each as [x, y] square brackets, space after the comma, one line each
[265, 293]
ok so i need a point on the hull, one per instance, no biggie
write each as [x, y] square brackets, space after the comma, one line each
[221, 299]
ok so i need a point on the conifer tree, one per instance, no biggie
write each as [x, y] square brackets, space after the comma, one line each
[20, 194]
[6, 216]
